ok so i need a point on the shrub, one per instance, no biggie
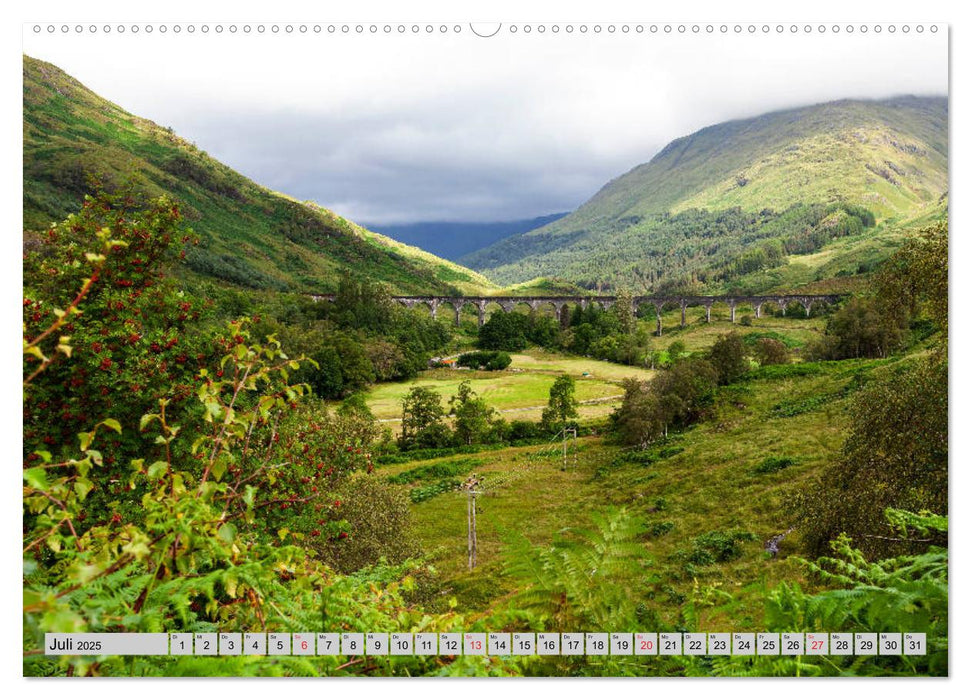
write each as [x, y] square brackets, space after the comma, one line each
[717, 547]
[864, 327]
[490, 360]
[378, 523]
[421, 494]
[523, 430]
[769, 351]
[660, 529]
[770, 465]
[455, 467]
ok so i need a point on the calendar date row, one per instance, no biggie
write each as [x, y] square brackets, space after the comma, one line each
[488, 644]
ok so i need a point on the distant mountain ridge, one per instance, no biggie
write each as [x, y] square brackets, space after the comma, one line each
[249, 236]
[887, 156]
[454, 239]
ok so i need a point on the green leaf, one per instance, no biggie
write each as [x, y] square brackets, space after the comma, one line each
[157, 469]
[218, 468]
[84, 466]
[84, 439]
[227, 533]
[230, 582]
[82, 487]
[36, 478]
[146, 419]
[111, 423]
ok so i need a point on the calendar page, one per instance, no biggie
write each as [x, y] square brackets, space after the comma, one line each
[421, 347]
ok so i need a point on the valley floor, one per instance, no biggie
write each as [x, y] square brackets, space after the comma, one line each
[702, 481]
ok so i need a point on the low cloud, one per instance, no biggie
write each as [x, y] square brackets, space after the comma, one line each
[403, 129]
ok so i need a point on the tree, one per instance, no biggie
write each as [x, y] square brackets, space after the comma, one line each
[356, 368]
[327, 379]
[675, 398]
[473, 416]
[915, 277]
[422, 420]
[505, 331]
[895, 456]
[727, 356]
[562, 405]
[623, 308]
[360, 303]
[639, 419]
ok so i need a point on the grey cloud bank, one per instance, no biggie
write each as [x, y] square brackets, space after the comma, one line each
[395, 130]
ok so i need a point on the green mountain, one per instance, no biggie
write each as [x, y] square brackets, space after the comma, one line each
[249, 236]
[729, 204]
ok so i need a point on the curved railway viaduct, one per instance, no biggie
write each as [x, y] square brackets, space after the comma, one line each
[562, 304]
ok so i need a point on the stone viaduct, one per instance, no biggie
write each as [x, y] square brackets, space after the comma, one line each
[561, 304]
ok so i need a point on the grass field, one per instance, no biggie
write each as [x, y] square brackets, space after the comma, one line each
[519, 392]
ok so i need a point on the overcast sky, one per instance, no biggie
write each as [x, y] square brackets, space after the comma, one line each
[397, 129]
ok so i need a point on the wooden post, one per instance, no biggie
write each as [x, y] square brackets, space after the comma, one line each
[468, 514]
[564, 448]
[475, 539]
[575, 457]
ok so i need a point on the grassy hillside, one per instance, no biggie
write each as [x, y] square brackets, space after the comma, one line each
[707, 197]
[249, 236]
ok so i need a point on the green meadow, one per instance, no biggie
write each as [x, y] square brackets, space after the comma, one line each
[707, 479]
